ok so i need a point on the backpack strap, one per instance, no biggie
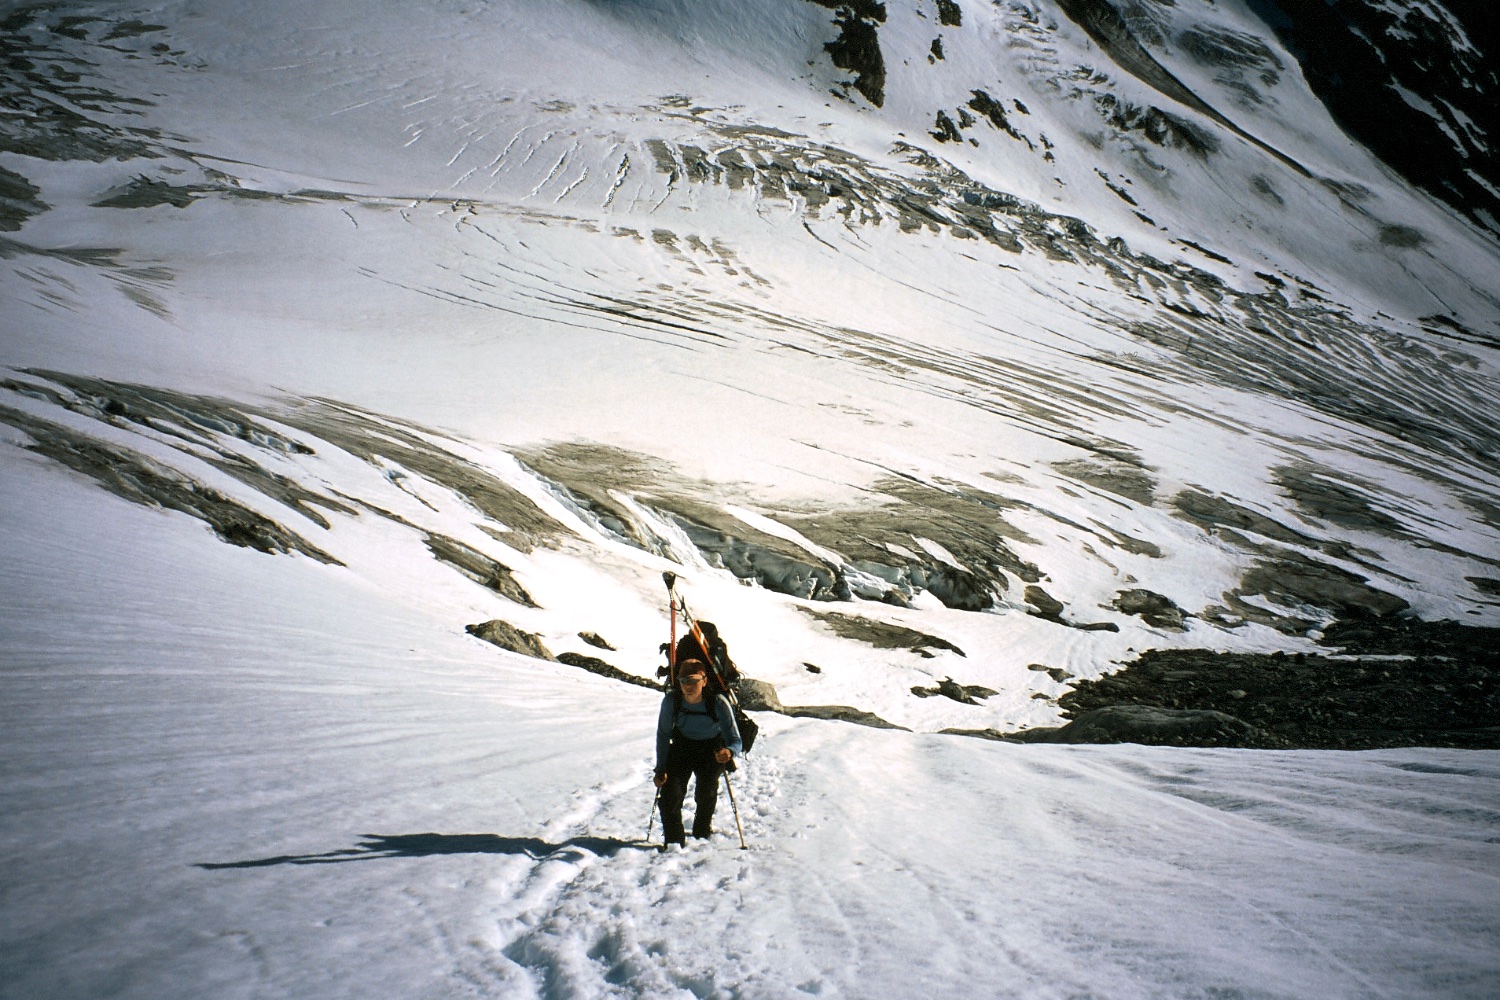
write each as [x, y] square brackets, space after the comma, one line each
[679, 707]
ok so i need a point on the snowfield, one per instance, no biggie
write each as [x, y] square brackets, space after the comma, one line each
[232, 775]
[937, 346]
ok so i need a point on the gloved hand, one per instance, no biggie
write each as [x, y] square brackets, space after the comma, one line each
[660, 779]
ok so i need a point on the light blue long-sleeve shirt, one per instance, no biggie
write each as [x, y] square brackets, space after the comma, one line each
[695, 722]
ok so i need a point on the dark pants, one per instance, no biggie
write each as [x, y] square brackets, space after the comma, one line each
[686, 758]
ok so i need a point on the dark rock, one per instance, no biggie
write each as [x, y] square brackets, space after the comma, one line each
[594, 665]
[596, 640]
[1056, 673]
[1398, 682]
[857, 48]
[1361, 58]
[992, 110]
[145, 192]
[1285, 575]
[757, 696]
[1211, 512]
[1488, 586]
[1411, 636]
[1048, 608]
[1125, 479]
[944, 130]
[988, 734]
[1046, 605]
[507, 636]
[1154, 726]
[478, 567]
[841, 713]
[968, 694]
[881, 635]
[142, 480]
[18, 200]
[1307, 582]
[1154, 609]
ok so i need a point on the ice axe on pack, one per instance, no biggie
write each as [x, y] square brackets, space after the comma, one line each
[670, 579]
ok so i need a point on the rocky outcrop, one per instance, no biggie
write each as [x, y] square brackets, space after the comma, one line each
[857, 48]
[1153, 725]
[1153, 609]
[1363, 59]
[596, 640]
[965, 694]
[480, 568]
[1048, 608]
[507, 636]
[841, 713]
[757, 696]
[143, 480]
[18, 200]
[882, 635]
[1395, 682]
[594, 665]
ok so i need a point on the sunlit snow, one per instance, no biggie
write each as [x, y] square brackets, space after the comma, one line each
[330, 329]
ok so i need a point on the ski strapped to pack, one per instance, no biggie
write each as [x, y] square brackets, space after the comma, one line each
[722, 670]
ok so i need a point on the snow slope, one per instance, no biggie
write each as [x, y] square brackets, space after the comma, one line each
[232, 775]
[331, 329]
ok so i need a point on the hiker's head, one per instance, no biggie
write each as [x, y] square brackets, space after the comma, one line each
[691, 673]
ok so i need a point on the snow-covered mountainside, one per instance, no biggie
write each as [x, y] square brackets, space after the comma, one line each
[951, 353]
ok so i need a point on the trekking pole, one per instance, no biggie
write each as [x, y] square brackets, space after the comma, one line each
[736, 807]
[652, 821]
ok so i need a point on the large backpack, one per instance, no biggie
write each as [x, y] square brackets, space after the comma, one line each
[722, 674]
[725, 673]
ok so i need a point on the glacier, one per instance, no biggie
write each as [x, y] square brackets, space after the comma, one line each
[940, 347]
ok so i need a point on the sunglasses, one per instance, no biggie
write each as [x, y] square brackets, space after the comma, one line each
[691, 679]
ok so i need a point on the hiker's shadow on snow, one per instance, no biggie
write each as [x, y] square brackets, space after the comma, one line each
[428, 845]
